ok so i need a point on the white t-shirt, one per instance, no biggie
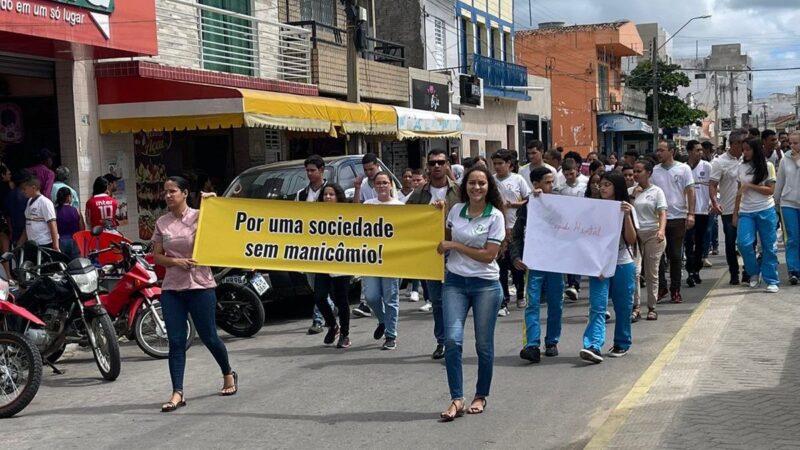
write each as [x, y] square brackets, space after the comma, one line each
[702, 176]
[402, 197]
[375, 201]
[560, 180]
[513, 188]
[725, 171]
[647, 204]
[673, 182]
[525, 173]
[578, 190]
[38, 214]
[625, 254]
[775, 157]
[438, 194]
[476, 233]
[752, 201]
[367, 191]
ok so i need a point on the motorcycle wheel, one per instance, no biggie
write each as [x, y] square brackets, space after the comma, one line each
[150, 339]
[105, 346]
[239, 310]
[20, 373]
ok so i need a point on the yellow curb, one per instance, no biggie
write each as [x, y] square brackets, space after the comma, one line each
[620, 414]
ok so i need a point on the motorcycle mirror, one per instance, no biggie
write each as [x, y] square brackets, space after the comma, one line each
[97, 231]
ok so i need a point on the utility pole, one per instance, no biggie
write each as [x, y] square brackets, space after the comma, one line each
[764, 107]
[353, 93]
[654, 52]
[716, 108]
[732, 86]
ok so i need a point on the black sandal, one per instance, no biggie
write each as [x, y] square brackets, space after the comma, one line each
[475, 409]
[235, 386]
[445, 416]
[172, 406]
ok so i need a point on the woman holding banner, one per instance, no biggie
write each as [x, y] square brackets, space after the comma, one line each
[186, 289]
[620, 285]
[475, 230]
[336, 286]
[383, 294]
[651, 209]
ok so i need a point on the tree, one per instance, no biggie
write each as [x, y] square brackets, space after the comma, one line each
[672, 111]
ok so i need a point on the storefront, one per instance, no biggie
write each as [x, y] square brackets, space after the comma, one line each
[618, 133]
[419, 131]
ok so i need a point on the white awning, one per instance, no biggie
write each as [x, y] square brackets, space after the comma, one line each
[417, 123]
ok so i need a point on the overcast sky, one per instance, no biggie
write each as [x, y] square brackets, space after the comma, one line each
[769, 30]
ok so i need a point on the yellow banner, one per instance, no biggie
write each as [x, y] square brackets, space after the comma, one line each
[335, 238]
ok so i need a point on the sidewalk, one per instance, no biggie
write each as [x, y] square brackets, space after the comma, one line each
[729, 379]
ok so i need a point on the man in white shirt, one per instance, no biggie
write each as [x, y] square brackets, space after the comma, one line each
[535, 153]
[724, 182]
[677, 182]
[572, 187]
[769, 140]
[515, 192]
[364, 184]
[40, 217]
[695, 237]
[553, 158]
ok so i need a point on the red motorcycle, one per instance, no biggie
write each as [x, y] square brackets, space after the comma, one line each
[132, 299]
[20, 360]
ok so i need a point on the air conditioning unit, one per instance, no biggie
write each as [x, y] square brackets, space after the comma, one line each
[470, 90]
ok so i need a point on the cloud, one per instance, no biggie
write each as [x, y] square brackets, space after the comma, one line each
[767, 29]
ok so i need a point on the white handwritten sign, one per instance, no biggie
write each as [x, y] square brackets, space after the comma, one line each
[572, 235]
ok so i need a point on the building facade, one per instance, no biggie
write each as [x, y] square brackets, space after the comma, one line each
[591, 108]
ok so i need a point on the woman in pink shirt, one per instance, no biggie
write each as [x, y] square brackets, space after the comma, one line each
[187, 289]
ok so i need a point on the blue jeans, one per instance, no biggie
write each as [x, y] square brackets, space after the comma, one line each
[764, 223]
[201, 304]
[791, 226]
[621, 287]
[435, 292]
[712, 235]
[382, 295]
[554, 293]
[458, 296]
[730, 244]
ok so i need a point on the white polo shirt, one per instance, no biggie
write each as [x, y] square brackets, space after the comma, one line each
[38, 215]
[702, 176]
[724, 170]
[525, 173]
[674, 181]
[513, 188]
[578, 190]
[476, 233]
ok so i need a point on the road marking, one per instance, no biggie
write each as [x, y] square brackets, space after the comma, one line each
[619, 415]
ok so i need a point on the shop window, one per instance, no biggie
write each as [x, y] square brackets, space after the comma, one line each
[321, 11]
[227, 41]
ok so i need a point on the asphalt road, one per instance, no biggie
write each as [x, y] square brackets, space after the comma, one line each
[295, 393]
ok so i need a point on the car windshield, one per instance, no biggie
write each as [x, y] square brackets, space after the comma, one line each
[271, 183]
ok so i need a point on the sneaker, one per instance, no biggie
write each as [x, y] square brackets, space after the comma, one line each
[793, 280]
[754, 283]
[439, 352]
[675, 296]
[362, 310]
[379, 331]
[591, 355]
[427, 307]
[707, 263]
[521, 303]
[662, 292]
[572, 294]
[315, 328]
[690, 280]
[617, 352]
[389, 344]
[503, 312]
[772, 289]
[330, 336]
[414, 297]
[531, 354]
[344, 342]
[551, 350]
[608, 316]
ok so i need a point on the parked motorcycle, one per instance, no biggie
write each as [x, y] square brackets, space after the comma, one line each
[20, 360]
[65, 296]
[239, 309]
[132, 300]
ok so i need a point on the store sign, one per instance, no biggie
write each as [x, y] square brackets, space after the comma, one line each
[430, 96]
[103, 6]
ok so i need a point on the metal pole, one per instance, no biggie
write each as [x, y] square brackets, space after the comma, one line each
[656, 133]
[353, 94]
[716, 109]
[733, 109]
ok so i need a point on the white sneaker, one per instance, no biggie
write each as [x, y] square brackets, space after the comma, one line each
[572, 294]
[503, 312]
[754, 283]
[414, 297]
[772, 289]
[427, 307]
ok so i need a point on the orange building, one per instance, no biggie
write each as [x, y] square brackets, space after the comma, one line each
[583, 63]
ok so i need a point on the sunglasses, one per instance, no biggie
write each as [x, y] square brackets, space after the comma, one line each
[437, 163]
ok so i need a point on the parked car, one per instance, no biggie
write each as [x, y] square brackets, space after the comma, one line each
[282, 181]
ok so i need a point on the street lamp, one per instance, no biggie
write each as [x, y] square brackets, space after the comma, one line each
[656, 48]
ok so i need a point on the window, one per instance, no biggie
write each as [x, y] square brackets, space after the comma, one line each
[497, 44]
[482, 47]
[602, 84]
[439, 44]
[322, 11]
[227, 41]
[508, 50]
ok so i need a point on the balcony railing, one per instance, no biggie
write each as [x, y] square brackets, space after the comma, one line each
[377, 49]
[203, 37]
[497, 73]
